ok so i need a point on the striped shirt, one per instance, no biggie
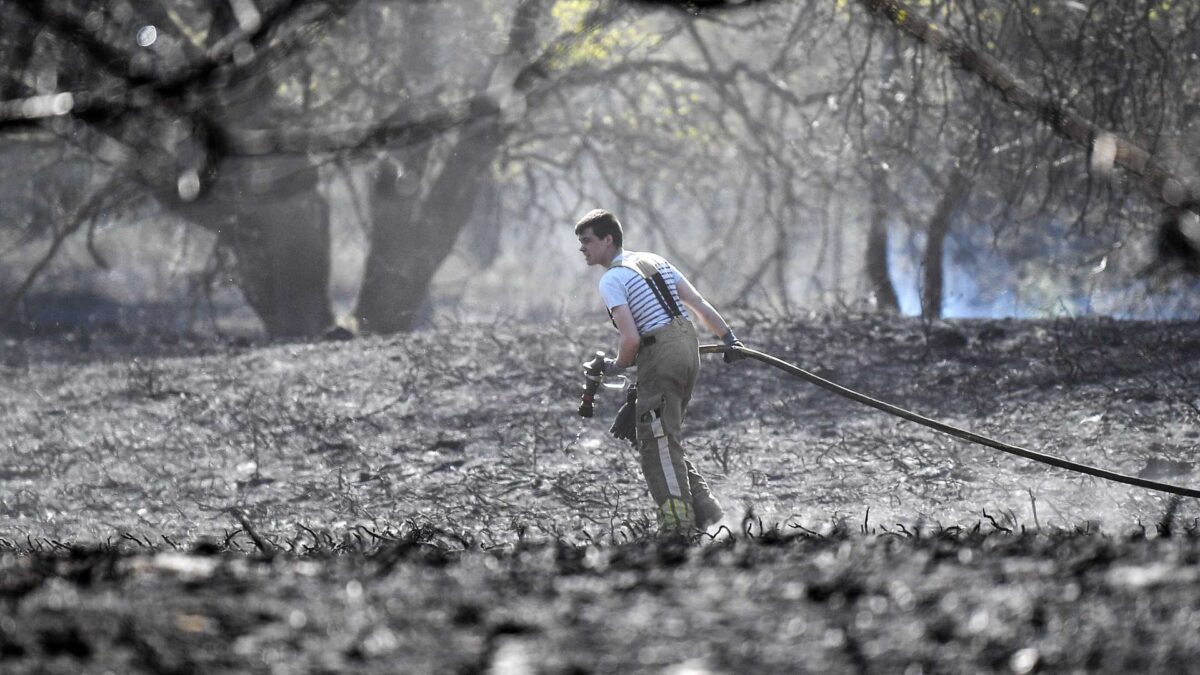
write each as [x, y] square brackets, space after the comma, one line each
[623, 286]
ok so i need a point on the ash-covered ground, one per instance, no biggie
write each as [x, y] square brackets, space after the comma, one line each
[432, 503]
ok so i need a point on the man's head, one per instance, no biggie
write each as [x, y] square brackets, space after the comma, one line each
[600, 237]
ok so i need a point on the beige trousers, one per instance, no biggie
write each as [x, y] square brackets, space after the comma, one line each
[667, 371]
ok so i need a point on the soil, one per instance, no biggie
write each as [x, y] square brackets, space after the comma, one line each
[431, 503]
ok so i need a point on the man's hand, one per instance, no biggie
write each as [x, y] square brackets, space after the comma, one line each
[731, 340]
[624, 427]
[611, 367]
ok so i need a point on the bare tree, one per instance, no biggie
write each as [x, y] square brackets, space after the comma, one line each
[231, 113]
[1101, 88]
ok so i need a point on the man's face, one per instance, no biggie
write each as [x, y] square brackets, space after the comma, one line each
[596, 251]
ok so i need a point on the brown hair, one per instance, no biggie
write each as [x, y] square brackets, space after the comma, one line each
[603, 224]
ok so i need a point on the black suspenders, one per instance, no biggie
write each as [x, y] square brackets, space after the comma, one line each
[661, 291]
[658, 286]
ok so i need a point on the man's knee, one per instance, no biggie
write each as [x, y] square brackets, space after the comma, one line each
[658, 442]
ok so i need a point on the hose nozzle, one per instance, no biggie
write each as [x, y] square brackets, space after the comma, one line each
[593, 371]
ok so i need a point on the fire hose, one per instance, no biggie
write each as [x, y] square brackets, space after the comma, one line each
[595, 380]
[947, 428]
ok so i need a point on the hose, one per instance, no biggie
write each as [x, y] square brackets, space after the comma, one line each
[950, 429]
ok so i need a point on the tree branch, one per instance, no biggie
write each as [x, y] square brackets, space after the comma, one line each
[1166, 185]
[81, 214]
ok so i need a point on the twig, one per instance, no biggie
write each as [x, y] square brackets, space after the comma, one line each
[1033, 505]
[266, 547]
[996, 525]
[126, 535]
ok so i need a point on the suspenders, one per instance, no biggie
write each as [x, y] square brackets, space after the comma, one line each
[658, 286]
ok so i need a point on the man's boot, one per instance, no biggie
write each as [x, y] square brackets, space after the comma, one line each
[708, 512]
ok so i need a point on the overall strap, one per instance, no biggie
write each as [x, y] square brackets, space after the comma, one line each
[657, 284]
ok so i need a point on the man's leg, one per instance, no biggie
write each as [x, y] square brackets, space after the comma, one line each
[668, 370]
[705, 507]
[706, 510]
[663, 461]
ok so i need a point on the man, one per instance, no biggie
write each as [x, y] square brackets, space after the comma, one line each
[648, 300]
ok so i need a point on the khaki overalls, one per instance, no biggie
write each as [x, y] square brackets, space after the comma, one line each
[668, 362]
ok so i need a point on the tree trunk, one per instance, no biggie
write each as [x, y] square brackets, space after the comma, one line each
[933, 265]
[877, 247]
[278, 221]
[278, 231]
[282, 246]
[413, 232]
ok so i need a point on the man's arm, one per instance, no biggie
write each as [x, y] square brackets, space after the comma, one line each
[630, 339]
[696, 302]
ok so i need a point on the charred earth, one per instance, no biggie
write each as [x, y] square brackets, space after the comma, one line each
[431, 503]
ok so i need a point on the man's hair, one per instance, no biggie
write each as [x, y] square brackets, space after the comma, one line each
[602, 223]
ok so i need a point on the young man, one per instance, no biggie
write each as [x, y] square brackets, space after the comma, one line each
[648, 300]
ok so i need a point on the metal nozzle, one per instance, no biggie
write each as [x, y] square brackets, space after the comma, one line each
[593, 371]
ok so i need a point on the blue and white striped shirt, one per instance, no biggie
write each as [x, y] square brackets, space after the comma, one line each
[623, 286]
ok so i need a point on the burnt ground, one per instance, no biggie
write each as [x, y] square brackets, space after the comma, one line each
[431, 503]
